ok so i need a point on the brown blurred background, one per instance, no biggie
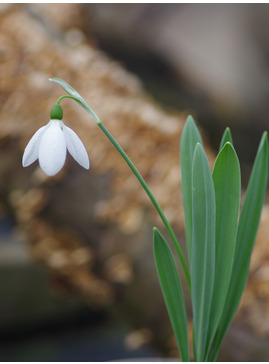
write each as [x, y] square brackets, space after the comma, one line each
[77, 275]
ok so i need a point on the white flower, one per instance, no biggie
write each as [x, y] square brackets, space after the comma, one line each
[49, 145]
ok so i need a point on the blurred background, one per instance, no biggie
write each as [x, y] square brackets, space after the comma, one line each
[77, 276]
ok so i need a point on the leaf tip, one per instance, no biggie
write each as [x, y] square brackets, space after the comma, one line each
[264, 140]
[265, 135]
[190, 120]
[227, 145]
[156, 232]
[189, 117]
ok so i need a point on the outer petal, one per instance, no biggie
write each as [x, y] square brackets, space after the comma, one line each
[52, 149]
[75, 147]
[31, 151]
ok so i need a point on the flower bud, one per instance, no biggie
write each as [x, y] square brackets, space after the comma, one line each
[56, 112]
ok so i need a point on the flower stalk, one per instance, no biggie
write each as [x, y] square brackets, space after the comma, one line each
[73, 94]
[152, 198]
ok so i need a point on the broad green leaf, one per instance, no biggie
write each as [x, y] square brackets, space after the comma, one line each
[226, 137]
[247, 230]
[190, 137]
[226, 178]
[203, 248]
[79, 99]
[172, 292]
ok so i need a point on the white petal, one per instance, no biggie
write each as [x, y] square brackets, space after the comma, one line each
[31, 151]
[52, 149]
[75, 147]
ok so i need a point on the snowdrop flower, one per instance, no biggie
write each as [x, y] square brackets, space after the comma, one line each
[50, 143]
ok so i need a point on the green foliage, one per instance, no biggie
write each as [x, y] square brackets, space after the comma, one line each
[190, 137]
[172, 291]
[219, 246]
[246, 234]
[226, 178]
[226, 137]
[203, 247]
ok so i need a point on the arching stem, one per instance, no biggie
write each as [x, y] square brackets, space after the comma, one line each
[140, 179]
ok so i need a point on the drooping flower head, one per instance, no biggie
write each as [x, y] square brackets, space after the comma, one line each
[50, 143]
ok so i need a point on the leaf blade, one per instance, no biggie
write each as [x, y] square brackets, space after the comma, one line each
[227, 184]
[247, 230]
[190, 137]
[172, 292]
[203, 248]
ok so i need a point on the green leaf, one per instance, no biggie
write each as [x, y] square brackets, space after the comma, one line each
[172, 292]
[226, 178]
[226, 137]
[247, 230]
[190, 137]
[203, 248]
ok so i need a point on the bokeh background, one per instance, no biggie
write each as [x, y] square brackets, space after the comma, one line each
[77, 276]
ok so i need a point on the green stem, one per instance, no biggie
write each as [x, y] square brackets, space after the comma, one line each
[142, 182]
[152, 198]
[65, 97]
[83, 104]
